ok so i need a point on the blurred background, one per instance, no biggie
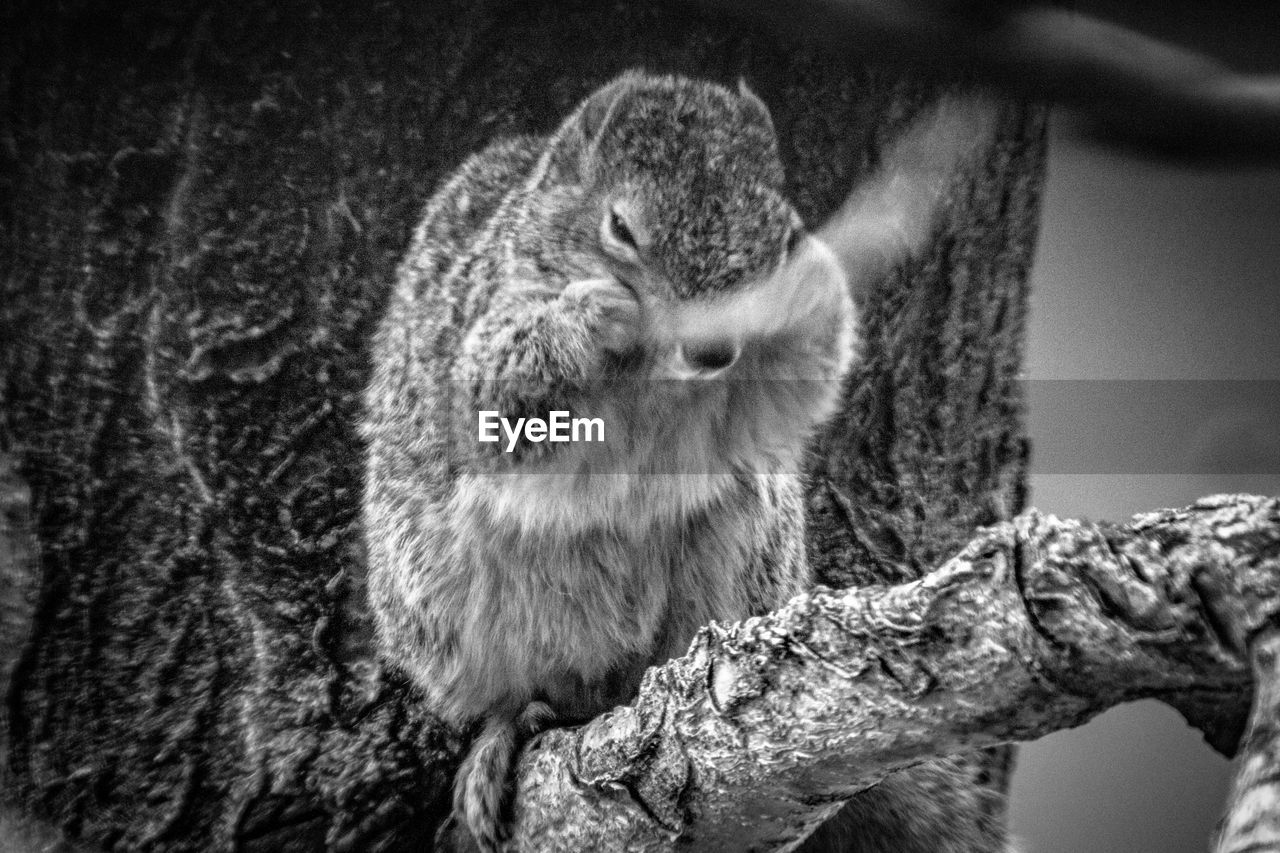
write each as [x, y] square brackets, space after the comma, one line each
[1154, 360]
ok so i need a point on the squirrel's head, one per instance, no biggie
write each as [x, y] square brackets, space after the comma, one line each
[675, 187]
[678, 181]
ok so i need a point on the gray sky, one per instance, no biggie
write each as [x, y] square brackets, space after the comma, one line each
[1149, 272]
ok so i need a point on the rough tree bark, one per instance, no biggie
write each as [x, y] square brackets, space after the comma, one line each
[205, 205]
[1035, 625]
[1252, 820]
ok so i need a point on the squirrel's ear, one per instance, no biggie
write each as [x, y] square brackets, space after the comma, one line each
[753, 106]
[577, 138]
[599, 104]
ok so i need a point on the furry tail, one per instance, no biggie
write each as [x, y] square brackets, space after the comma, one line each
[892, 214]
[482, 790]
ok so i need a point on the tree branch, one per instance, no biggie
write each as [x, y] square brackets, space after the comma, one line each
[1126, 89]
[764, 727]
[1252, 821]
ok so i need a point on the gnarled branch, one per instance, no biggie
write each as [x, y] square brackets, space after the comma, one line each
[1252, 821]
[754, 737]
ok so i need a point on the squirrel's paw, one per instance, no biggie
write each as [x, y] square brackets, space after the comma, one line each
[613, 311]
[535, 719]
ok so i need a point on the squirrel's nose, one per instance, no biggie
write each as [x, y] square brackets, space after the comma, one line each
[710, 357]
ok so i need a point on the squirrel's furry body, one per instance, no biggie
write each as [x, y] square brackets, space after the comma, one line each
[632, 266]
[557, 574]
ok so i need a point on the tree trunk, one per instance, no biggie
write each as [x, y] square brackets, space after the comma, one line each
[206, 204]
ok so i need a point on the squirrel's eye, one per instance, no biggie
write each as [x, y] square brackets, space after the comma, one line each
[794, 236]
[619, 231]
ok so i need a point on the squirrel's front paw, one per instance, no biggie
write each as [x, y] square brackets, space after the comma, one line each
[613, 312]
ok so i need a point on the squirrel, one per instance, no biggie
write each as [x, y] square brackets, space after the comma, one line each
[641, 265]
